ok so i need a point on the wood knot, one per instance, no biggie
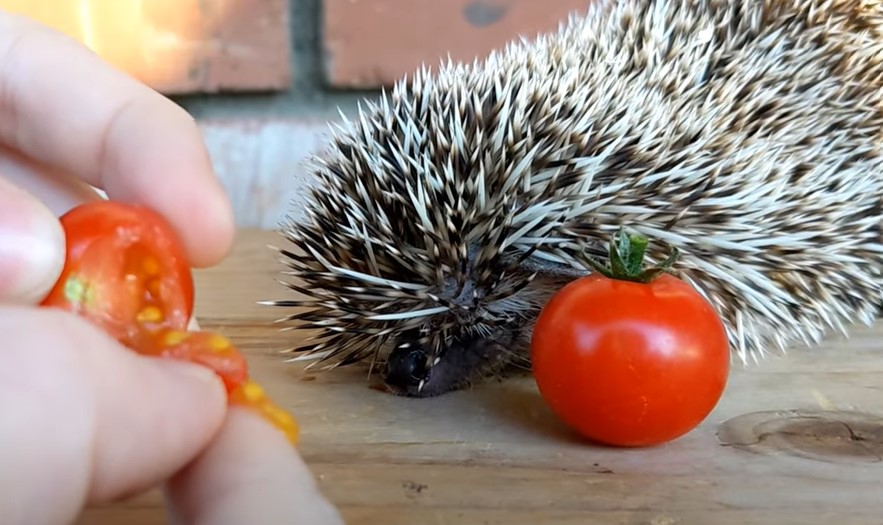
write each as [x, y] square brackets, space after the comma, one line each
[830, 436]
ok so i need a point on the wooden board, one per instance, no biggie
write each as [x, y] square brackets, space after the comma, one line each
[798, 440]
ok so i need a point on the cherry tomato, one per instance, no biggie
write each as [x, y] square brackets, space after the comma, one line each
[211, 350]
[125, 269]
[630, 357]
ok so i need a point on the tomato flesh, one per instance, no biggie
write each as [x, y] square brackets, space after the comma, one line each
[627, 363]
[125, 270]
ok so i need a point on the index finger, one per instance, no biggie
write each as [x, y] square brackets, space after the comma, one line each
[63, 106]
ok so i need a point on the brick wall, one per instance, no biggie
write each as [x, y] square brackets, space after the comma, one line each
[263, 77]
[179, 46]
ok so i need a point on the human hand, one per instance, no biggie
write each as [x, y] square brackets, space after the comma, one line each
[86, 421]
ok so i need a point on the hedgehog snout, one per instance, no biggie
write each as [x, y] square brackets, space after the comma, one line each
[411, 370]
[485, 337]
[483, 332]
[406, 369]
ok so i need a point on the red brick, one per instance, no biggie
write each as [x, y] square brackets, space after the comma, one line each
[179, 46]
[372, 43]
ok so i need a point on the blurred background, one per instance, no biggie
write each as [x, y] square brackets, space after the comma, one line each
[264, 77]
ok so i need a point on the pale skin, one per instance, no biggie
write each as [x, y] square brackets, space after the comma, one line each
[86, 421]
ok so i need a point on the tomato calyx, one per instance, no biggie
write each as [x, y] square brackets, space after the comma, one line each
[626, 259]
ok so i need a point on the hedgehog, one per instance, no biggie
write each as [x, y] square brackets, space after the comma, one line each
[745, 135]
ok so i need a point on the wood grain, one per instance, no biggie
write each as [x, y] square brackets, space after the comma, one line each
[801, 438]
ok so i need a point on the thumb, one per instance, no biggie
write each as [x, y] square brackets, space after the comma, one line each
[31, 246]
[86, 421]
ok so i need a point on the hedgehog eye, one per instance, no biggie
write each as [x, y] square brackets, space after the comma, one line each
[406, 366]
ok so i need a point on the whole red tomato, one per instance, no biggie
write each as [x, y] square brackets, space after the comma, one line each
[630, 356]
[125, 270]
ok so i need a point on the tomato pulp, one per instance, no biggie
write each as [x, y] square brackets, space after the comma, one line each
[630, 363]
[124, 270]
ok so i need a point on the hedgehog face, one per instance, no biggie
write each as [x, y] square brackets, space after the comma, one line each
[427, 335]
[478, 336]
[413, 370]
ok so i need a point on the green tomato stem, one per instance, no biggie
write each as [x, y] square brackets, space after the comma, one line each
[626, 259]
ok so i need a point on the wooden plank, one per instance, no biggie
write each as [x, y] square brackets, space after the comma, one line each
[179, 46]
[797, 440]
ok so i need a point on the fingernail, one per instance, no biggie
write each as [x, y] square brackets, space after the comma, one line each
[31, 247]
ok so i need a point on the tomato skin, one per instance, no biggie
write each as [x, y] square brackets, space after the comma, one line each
[630, 364]
[122, 258]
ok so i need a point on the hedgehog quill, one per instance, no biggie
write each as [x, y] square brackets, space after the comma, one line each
[744, 134]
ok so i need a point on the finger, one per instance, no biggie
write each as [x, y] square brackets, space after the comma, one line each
[87, 421]
[31, 247]
[56, 189]
[61, 104]
[249, 474]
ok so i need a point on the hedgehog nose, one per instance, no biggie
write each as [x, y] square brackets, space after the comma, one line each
[406, 367]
